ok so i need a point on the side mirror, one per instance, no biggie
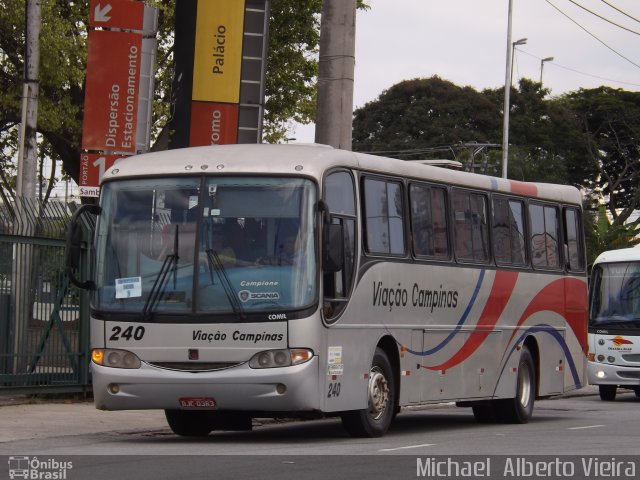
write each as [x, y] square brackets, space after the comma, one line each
[73, 249]
[333, 248]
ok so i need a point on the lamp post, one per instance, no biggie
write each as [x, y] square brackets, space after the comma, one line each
[548, 59]
[511, 46]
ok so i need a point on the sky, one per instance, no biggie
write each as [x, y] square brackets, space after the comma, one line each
[465, 42]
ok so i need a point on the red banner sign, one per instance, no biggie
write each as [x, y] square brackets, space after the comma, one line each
[92, 168]
[213, 124]
[111, 95]
[125, 14]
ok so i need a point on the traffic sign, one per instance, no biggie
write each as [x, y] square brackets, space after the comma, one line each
[111, 93]
[125, 14]
[213, 124]
[218, 51]
[92, 168]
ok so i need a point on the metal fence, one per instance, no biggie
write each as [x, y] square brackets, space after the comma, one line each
[44, 328]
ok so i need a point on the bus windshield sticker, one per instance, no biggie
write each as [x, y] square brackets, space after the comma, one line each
[130, 287]
[334, 360]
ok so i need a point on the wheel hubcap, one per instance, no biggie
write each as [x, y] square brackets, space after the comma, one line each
[378, 393]
[525, 386]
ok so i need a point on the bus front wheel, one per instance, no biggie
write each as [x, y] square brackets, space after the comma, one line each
[607, 392]
[187, 423]
[374, 421]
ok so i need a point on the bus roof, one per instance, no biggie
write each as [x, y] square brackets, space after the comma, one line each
[621, 255]
[314, 160]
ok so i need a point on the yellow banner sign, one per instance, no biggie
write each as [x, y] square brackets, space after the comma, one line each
[218, 52]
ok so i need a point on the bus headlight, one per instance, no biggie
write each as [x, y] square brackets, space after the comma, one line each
[280, 358]
[109, 357]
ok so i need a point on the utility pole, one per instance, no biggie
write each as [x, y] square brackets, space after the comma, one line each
[335, 73]
[507, 100]
[28, 148]
[22, 273]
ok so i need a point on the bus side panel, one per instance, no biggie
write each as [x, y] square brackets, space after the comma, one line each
[344, 373]
[576, 312]
[551, 364]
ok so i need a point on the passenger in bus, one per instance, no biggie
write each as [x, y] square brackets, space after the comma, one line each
[288, 252]
[225, 253]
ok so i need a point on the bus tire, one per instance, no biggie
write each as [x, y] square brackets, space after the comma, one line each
[607, 392]
[374, 421]
[520, 408]
[187, 423]
[485, 413]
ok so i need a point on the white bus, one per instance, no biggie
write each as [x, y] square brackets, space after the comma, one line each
[234, 282]
[614, 322]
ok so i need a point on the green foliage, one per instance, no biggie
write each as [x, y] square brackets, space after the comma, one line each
[294, 35]
[588, 138]
[292, 66]
[423, 113]
[602, 234]
[62, 70]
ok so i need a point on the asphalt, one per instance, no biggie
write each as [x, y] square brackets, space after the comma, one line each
[26, 417]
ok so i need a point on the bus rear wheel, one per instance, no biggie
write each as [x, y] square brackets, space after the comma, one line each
[520, 408]
[187, 423]
[374, 421]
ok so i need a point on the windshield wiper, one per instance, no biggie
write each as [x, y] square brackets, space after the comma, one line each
[171, 260]
[215, 264]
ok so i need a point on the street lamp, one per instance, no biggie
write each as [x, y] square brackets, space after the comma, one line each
[522, 41]
[511, 46]
[548, 59]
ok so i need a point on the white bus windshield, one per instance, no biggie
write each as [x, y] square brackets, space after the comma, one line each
[227, 245]
[615, 296]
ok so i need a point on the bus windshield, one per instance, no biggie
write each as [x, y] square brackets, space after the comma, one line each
[615, 296]
[206, 245]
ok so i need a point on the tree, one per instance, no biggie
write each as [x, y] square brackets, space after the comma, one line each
[546, 142]
[290, 85]
[62, 70]
[420, 113]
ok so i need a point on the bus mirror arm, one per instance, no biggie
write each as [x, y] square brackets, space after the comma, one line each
[73, 249]
[332, 241]
[323, 209]
[333, 248]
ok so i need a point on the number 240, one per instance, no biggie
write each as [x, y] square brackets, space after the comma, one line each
[127, 334]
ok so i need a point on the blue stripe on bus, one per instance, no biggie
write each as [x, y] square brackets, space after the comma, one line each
[559, 338]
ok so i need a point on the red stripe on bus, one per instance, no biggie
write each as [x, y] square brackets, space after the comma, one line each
[501, 291]
[556, 297]
[523, 188]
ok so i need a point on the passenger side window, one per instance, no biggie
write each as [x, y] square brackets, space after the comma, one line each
[573, 237]
[429, 221]
[544, 236]
[508, 232]
[470, 226]
[384, 219]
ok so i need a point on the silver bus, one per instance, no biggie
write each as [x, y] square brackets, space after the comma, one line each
[243, 281]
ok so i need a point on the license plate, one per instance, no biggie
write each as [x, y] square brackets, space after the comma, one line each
[197, 402]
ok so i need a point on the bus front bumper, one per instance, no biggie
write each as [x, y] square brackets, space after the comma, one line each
[285, 389]
[610, 374]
